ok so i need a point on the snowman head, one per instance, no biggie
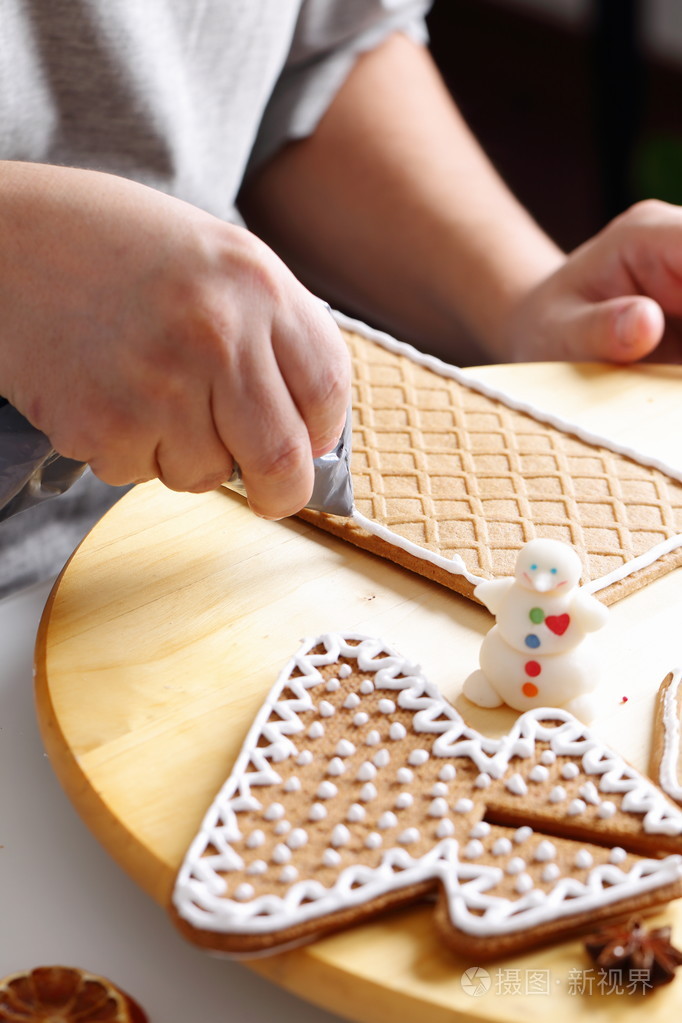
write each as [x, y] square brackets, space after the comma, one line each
[544, 565]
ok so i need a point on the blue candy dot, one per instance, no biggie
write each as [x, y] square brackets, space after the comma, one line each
[532, 641]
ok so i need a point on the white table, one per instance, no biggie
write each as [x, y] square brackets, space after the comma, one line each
[63, 900]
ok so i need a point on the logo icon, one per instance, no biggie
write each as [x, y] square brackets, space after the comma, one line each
[475, 981]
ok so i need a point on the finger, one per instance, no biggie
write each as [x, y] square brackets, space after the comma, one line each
[622, 329]
[314, 362]
[257, 419]
[189, 455]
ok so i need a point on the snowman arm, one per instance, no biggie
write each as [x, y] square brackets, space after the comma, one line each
[588, 612]
[491, 592]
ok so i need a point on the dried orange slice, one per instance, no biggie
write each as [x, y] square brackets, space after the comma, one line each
[61, 994]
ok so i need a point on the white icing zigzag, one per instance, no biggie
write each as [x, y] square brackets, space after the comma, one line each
[279, 742]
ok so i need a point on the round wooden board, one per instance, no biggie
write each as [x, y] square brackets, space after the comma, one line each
[171, 623]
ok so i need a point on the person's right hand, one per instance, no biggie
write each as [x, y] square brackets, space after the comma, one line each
[150, 339]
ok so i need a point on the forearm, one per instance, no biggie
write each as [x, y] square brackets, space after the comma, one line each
[392, 209]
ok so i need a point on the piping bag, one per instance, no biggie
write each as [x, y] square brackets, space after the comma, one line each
[31, 471]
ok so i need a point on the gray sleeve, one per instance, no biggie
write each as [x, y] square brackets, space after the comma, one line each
[329, 36]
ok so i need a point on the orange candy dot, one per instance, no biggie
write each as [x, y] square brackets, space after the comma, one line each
[529, 689]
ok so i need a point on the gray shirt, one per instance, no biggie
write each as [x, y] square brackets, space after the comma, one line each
[184, 95]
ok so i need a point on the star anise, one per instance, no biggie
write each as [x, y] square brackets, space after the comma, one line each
[629, 946]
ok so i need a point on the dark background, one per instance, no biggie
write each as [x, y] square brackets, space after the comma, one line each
[580, 120]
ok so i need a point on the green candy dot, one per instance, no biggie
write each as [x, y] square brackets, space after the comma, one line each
[536, 615]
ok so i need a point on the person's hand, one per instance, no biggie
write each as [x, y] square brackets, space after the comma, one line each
[616, 298]
[150, 339]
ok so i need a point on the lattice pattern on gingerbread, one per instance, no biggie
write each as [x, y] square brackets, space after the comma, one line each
[466, 476]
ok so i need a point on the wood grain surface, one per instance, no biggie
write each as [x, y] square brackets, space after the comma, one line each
[171, 622]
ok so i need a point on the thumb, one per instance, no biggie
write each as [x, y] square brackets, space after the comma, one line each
[622, 329]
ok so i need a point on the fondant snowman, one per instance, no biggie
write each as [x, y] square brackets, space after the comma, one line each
[538, 652]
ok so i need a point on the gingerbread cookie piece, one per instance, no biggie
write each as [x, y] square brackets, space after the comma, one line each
[359, 787]
[452, 478]
[666, 756]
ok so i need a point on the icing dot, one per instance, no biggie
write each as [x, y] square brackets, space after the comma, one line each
[545, 851]
[532, 641]
[409, 836]
[316, 730]
[418, 757]
[360, 719]
[445, 828]
[536, 615]
[344, 748]
[583, 859]
[292, 784]
[548, 757]
[522, 748]
[529, 689]
[522, 834]
[255, 839]
[331, 858]
[524, 883]
[304, 758]
[403, 801]
[336, 767]
[355, 813]
[368, 792]
[281, 827]
[590, 793]
[464, 805]
[439, 789]
[366, 771]
[551, 872]
[288, 874]
[373, 840]
[387, 820]
[351, 701]
[326, 790]
[397, 730]
[570, 770]
[326, 709]
[243, 892]
[340, 835]
[373, 738]
[317, 812]
[606, 809]
[473, 849]
[480, 830]
[386, 706]
[501, 847]
[344, 670]
[516, 785]
[405, 775]
[382, 758]
[366, 687]
[576, 807]
[332, 685]
[516, 865]
[297, 839]
[281, 853]
[557, 794]
[257, 867]
[274, 812]
[539, 773]
[447, 772]
[532, 668]
[617, 855]
[483, 781]
[438, 807]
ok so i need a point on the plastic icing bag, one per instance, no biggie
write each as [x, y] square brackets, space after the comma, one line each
[333, 485]
[31, 471]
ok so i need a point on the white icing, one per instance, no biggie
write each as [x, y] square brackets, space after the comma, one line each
[455, 564]
[366, 687]
[336, 767]
[203, 898]
[418, 757]
[438, 807]
[255, 839]
[480, 830]
[501, 847]
[404, 775]
[463, 805]
[387, 820]
[386, 706]
[397, 731]
[281, 853]
[473, 849]
[340, 835]
[548, 757]
[282, 827]
[382, 758]
[448, 772]
[483, 781]
[409, 836]
[257, 867]
[305, 758]
[570, 770]
[558, 794]
[606, 809]
[351, 701]
[373, 738]
[516, 785]
[345, 670]
[516, 865]
[292, 784]
[550, 873]
[583, 859]
[403, 801]
[274, 812]
[545, 851]
[355, 813]
[523, 884]
[333, 685]
[288, 874]
[326, 790]
[668, 770]
[331, 858]
[326, 709]
[589, 793]
[522, 834]
[576, 807]
[373, 840]
[316, 730]
[360, 719]
[344, 748]
[439, 789]
[368, 792]
[297, 838]
[617, 855]
[366, 771]
[539, 773]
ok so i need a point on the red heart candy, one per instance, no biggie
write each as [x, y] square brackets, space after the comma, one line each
[558, 623]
